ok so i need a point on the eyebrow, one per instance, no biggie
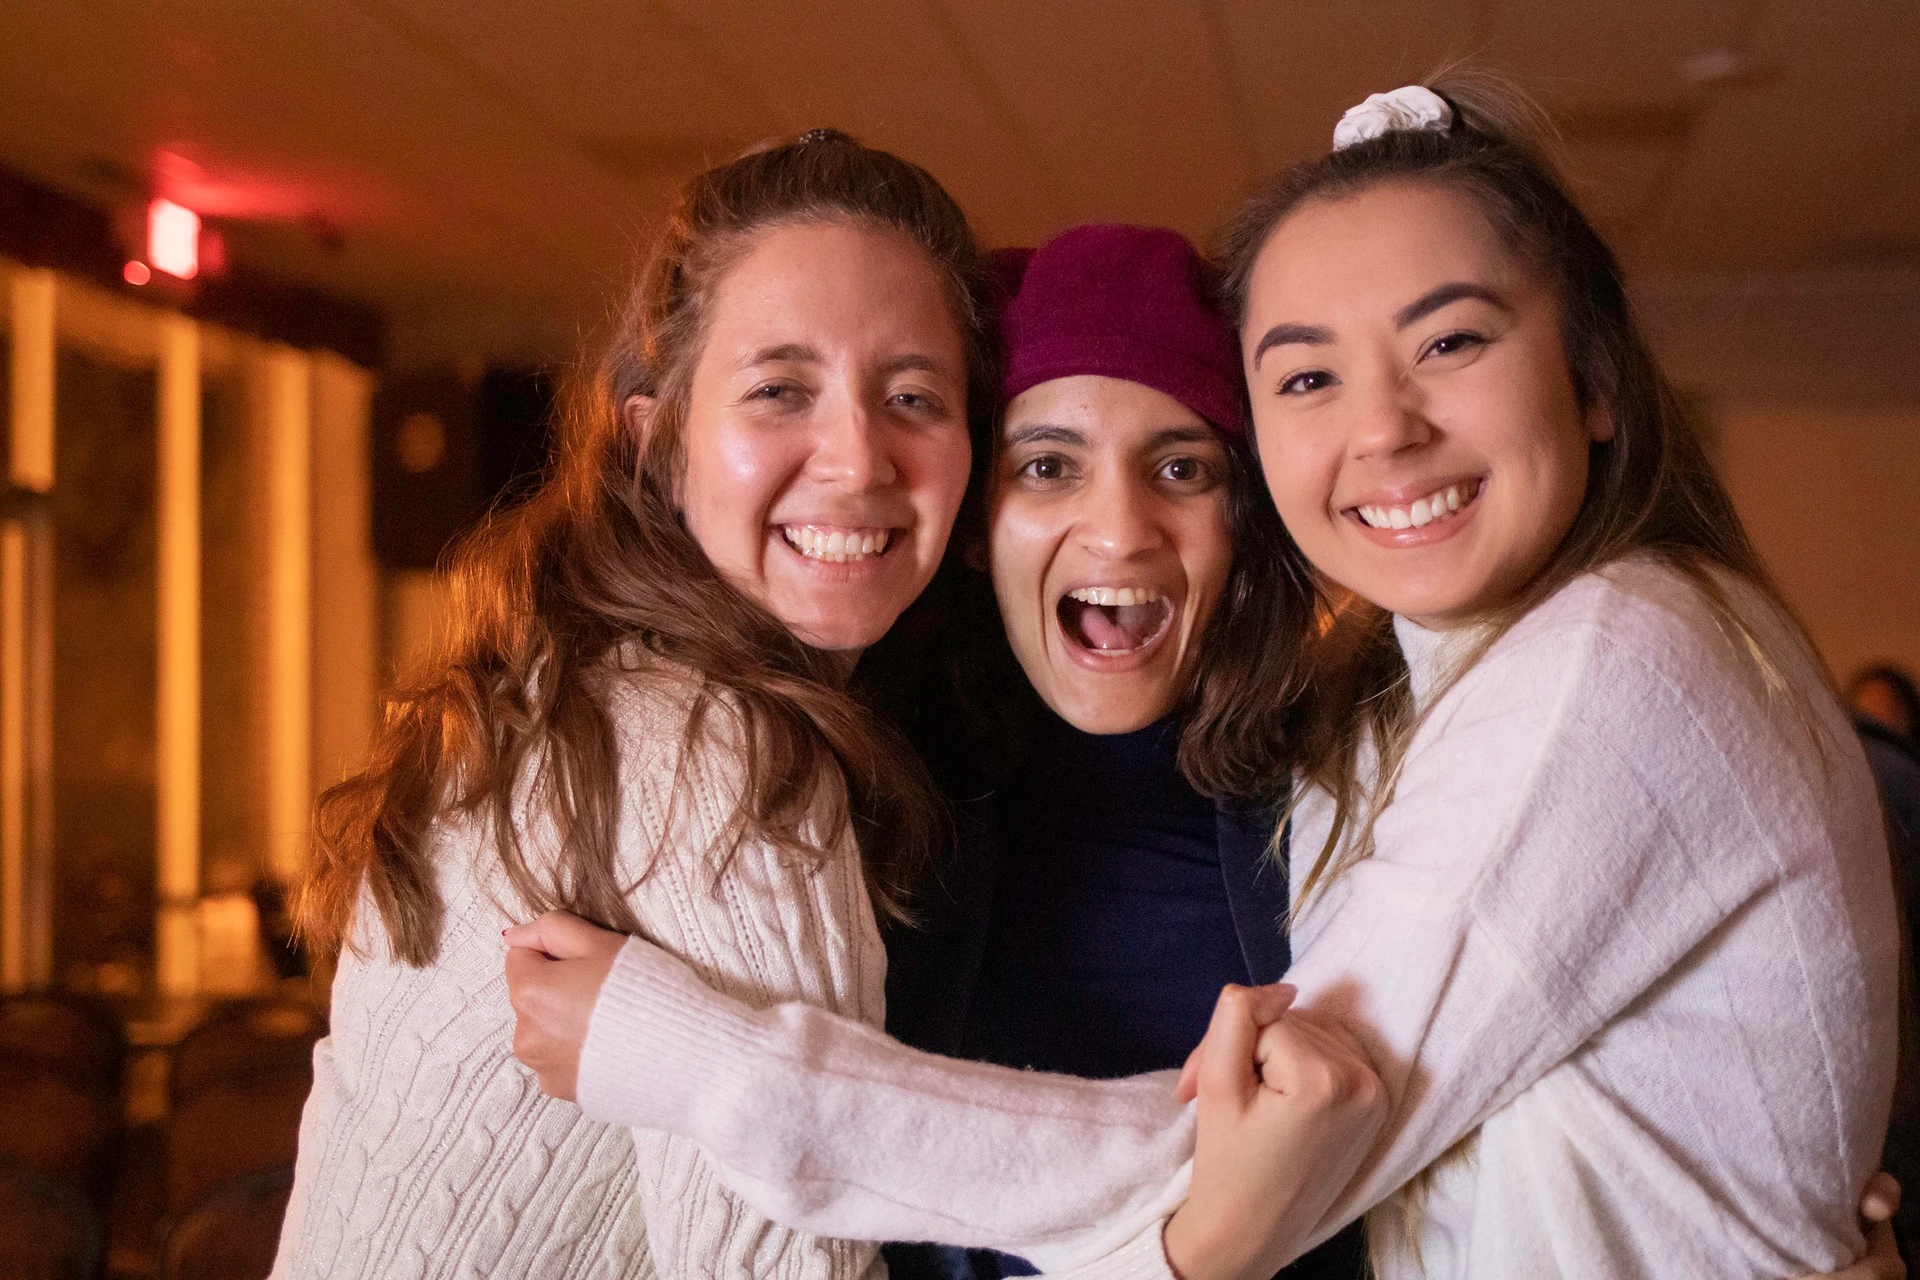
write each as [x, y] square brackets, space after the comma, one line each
[1444, 296]
[912, 362]
[1282, 335]
[800, 353]
[1179, 435]
[1045, 433]
[786, 352]
[1420, 308]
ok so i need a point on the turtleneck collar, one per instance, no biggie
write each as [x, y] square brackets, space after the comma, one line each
[1430, 654]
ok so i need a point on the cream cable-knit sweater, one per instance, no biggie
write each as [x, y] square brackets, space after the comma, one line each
[1627, 925]
[426, 1150]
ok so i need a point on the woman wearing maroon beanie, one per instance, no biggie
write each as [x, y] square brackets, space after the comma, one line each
[1100, 899]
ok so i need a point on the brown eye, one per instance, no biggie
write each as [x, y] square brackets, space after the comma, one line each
[1310, 380]
[1450, 343]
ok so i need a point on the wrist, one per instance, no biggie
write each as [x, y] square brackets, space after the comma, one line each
[1199, 1249]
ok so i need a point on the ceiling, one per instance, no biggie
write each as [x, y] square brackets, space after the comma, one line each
[486, 172]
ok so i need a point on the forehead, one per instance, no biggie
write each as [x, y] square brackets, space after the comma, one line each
[1109, 411]
[838, 279]
[1375, 251]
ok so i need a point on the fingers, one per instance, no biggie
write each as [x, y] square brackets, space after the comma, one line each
[1187, 1087]
[1226, 1068]
[1881, 1199]
[560, 935]
[1265, 1004]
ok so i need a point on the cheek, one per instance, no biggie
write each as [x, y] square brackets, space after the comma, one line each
[937, 467]
[1019, 550]
[733, 476]
[1299, 474]
[1206, 555]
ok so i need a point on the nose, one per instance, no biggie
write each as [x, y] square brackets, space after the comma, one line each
[1118, 518]
[853, 450]
[1389, 416]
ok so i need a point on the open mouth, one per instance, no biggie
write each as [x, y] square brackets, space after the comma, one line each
[1441, 504]
[1114, 619]
[835, 545]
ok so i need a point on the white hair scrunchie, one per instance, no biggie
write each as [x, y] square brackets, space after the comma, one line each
[1411, 107]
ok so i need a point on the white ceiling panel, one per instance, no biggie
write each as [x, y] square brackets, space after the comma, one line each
[1163, 147]
[1582, 54]
[896, 76]
[492, 167]
[1301, 64]
[1776, 167]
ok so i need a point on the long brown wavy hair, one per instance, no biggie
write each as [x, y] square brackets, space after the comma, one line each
[596, 571]
[1650, 489]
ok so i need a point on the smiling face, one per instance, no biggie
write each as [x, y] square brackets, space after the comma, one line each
[1109, 544]
[826, 434]
[1416, 421]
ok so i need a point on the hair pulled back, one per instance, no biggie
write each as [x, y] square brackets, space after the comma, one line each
[596, 571]
[1650, 488]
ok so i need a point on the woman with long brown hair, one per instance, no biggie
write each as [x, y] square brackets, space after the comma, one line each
[643, 717]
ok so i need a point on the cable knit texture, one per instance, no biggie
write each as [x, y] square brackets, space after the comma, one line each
[427, 1151]
[1629, 924]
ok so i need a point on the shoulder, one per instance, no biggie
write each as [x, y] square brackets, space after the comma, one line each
[1643, 621]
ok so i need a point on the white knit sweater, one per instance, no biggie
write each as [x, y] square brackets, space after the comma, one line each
[1629, 925]
[426, 1150]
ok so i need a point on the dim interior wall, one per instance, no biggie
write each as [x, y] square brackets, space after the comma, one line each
[1830, 495]
[346, 580]
[418, 608]
[1809, 384]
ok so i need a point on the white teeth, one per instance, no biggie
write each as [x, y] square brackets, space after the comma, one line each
[1437, 505]
[836, 546]
[1112, 596]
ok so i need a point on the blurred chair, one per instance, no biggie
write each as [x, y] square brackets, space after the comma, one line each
[47, 1231]
[54, 1124]
[232, 1232]
[239, 1083]
[77, 1036]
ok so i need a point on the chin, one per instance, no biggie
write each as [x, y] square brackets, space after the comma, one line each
[1098, 712]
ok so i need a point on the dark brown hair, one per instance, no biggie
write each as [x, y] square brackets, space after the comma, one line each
[1650, 489]
[1238, 715]
[596, 572]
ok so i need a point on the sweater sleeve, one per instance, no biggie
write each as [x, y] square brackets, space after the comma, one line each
[825, 1123]
[1577, 820]
[761, 924]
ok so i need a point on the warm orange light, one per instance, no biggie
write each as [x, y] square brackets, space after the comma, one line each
[136, 273]
[173, 239]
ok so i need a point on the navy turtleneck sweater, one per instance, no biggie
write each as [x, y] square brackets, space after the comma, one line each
[1111, 928]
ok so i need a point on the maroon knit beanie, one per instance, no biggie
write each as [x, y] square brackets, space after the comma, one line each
[1126, 302]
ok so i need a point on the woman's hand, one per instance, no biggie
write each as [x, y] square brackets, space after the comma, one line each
[1881, 1261]
[1288, 1107]
[555, 966]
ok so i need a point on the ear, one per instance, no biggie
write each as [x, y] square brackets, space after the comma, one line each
[1599, 424]
[637, 415]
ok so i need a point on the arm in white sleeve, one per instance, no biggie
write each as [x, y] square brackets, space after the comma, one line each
[824, 1123]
